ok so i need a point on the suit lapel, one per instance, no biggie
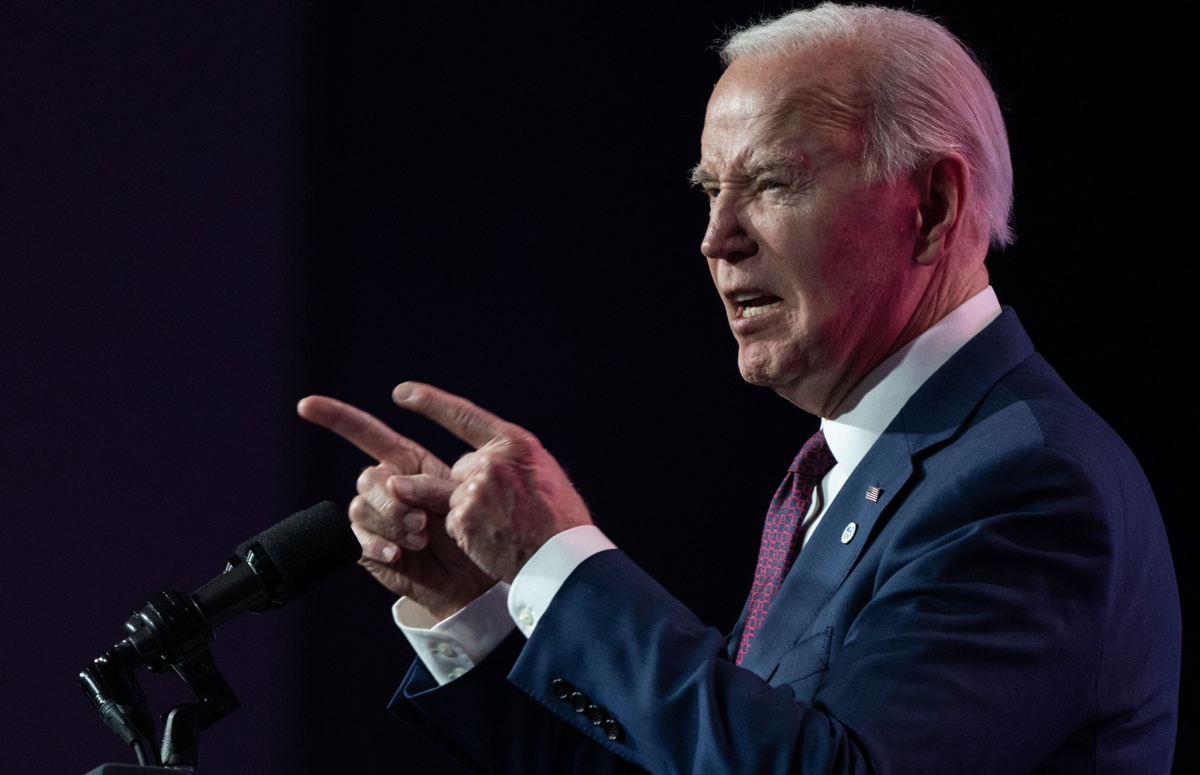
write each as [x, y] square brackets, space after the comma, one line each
[826, 559]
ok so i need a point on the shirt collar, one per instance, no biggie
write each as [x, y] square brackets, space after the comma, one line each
[875, 401]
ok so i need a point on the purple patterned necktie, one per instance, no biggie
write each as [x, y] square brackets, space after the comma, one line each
[780, 536]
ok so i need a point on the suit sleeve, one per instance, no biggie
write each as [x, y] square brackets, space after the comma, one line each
[664, 678]
[967, 640]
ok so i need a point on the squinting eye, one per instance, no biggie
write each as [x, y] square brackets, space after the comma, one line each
[771, 185]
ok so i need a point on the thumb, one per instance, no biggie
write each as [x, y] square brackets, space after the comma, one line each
[423, 491]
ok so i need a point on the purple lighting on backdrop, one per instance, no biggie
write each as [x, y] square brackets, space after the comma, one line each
[210, 211]
[145, 338]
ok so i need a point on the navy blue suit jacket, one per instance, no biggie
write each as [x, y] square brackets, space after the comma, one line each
[1006, 605]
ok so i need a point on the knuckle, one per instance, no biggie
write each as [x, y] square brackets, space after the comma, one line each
[458, 497]
[465, 465]
[356, 509]
[463, 414]
[385, 507]
[367, 479]
[453, 524]
[487, 480]
[472, 492]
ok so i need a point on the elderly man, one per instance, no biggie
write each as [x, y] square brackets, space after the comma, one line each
[963, 572]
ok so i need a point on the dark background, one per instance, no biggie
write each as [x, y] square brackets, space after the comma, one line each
[211, 210]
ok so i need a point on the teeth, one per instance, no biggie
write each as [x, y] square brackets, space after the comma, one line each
[749, 312]
[755, 302]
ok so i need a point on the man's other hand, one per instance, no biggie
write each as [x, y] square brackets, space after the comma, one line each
[511, 495]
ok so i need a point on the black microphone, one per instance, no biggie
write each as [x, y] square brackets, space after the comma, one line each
[280, 563]
[172, 630]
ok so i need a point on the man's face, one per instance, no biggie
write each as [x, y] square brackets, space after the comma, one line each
[813, 265]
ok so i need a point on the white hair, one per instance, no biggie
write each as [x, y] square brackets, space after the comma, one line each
[926, 92]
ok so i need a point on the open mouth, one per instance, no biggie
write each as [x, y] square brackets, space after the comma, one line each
[750, 304]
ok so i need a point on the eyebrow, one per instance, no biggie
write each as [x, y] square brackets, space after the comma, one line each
[788, 162]
[777, 162]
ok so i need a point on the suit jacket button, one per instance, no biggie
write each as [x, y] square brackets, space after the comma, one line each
[597, 715]
[562, 688]
[580, 702]
[612, 730]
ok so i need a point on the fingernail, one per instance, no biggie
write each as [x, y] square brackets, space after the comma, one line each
[401, 486]
[389, 553]
[412, 523]
[403, 392]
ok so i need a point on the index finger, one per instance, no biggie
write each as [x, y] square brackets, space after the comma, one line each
[472, 424]
[363, 430]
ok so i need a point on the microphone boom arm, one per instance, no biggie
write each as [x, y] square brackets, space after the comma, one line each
[172, 630]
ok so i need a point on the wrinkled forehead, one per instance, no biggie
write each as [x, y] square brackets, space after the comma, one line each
[773, 102]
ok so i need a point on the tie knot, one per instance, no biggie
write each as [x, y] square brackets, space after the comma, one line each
[815, 459]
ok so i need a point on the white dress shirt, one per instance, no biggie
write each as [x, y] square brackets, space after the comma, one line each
[452, 646]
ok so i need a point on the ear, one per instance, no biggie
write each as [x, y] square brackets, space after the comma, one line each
[942, 187]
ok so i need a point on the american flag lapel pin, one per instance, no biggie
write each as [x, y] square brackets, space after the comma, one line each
[873, 494]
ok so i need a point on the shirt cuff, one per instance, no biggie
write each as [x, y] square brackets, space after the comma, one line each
[539, 581]
[451, 647]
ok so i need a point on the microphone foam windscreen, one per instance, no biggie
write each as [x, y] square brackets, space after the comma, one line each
[308, 547]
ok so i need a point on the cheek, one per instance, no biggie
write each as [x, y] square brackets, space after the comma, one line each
[810, 262]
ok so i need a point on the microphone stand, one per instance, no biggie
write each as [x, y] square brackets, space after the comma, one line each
[168, 631]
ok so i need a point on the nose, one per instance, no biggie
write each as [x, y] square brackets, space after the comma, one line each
[726, 238]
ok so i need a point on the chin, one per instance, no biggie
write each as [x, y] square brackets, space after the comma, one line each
[790, 377]
[762, 370]
[754, 378]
